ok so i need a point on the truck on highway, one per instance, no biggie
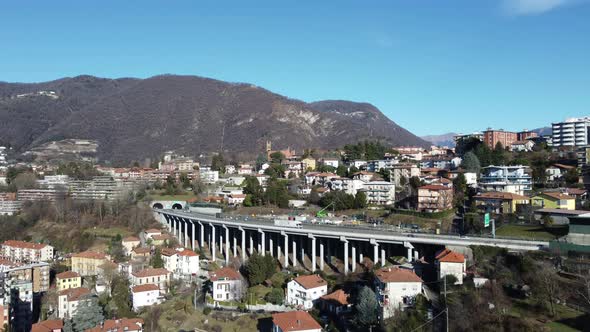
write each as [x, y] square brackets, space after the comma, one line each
[288, 223]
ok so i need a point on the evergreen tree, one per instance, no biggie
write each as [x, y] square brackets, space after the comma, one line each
[360, 200]
[277, 157]
[471, 162]
[88, 314]
[367, 308]
[342, 171]
[253, 188]
[259, 268]
[156, 261]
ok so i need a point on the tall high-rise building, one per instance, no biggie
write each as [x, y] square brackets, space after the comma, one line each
[571, 132]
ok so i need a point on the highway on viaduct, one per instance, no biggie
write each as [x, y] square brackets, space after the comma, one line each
[192, 228]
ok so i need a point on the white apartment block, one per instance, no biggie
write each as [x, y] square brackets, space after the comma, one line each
[227, 284]
[379, 192]
[304, 291]
[20, 251]
[145, 296]
[511, 179]
[396, 289]
[209, 176]
[69, 300]
[571, 132]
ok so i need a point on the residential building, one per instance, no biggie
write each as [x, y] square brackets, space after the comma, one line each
[67, 280]
[87, 263]
[492, 137]
[434, 198]
[403, 171]
[573, 132]
[17, 302]
[209, 176]
[475, 135]
[145, 296]
[554, 200]
[129, 243]
[308, 164]
[379, 192]
[304, 291]
[69, 300]
[235, 199]
[333, 162]
[160, 277]
[9, 205]
[149, 233]
[396, 289]
[170, 258]
[28, 252]
[526, 134]
[50, 325]
[512, 179]
[141, 253]
[452, 263]
[188, 263]
[500, 202]
[120, 325]
[294, 321]
[227, 284]
[522, 146]
[440, 162]
[336, 303]
[363, 176]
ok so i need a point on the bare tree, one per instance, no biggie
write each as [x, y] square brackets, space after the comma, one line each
[549, 284]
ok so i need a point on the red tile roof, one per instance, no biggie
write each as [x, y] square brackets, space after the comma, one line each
[150, 272]
[338, 296]
[67, 274]
[119, 325]
[449, 256]
[311, 281]
[90, 254]
[142, 250]
[48, 325]
[396, 274]
[168, 252]
[187, 253]
[557, 195]
[295, 321]
[23, 244]
[435, 187]
[131, 239]
[74, 294]
[502, 196]
[225, 273]
[144, 288]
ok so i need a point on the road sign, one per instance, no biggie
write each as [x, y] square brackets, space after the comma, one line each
[486, 220]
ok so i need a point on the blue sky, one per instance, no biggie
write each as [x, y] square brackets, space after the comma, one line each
[432, 66]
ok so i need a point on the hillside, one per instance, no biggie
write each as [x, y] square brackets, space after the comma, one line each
[135, 119]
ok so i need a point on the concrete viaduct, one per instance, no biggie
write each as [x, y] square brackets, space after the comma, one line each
[291, 246]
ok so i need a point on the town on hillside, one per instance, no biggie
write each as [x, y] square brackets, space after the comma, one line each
[491, 234]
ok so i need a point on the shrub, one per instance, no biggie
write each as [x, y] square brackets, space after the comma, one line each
[206, 311]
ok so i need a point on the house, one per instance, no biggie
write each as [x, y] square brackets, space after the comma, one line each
[149, 233]
[160, 277]
[188, 263]
[333, 162]
[235, 199]
[67, 280]
[336, 303]
[145, 296]
[230, 169]
[363, 176]
[396, 289]
[27, 252]
[309, 164]
[511, 179]
[522, 146]
[499, 202]
[304, 291]
[556, 172]
[434, 198]
[50, 325]
[554, 200]
[452, 263]
[68, 301]
[161, 239]
[294, 321]
[87, 263]
[170, 258]
[379, 192]
[227, 284]
[141, 252]
[129, 243]
[120, 325]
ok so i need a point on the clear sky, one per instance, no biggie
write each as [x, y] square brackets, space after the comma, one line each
[432, 66]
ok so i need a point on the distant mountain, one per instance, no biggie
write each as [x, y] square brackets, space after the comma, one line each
[542, 131]
[441, 140]
[135, 119]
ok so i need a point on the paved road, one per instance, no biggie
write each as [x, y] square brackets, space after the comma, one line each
[358, 232]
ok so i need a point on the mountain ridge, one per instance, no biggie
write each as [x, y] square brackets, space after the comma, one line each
[135, 119]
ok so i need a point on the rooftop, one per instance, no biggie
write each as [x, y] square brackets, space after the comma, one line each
[67, 274]
[394, 274]
[24, 245]
[311, 281]
[225, 273]
[338, 296]
[295, 321]
[90, 254]
[150, 272]
[449, 256]
[144, 288]
[74, 294]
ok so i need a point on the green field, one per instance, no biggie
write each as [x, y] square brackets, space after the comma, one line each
[535, 232]
[108, 232]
